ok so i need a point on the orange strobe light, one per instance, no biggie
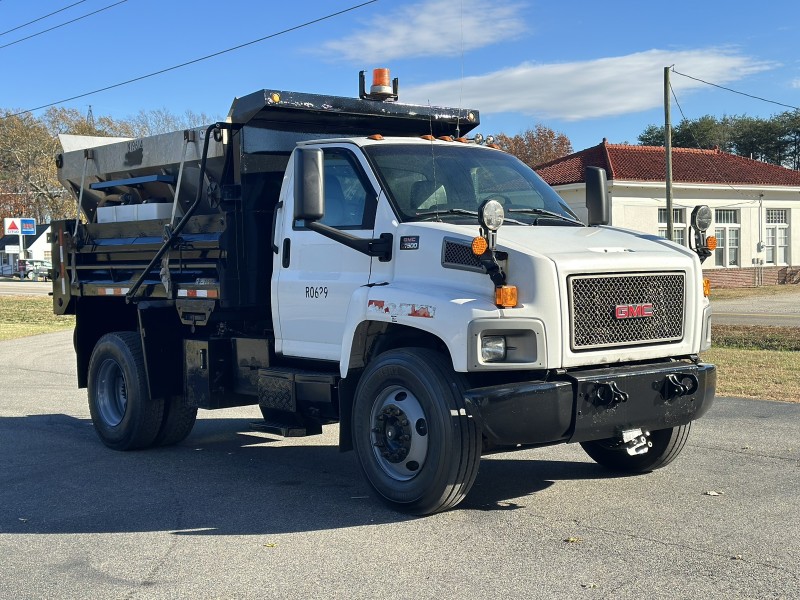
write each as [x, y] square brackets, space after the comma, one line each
[381, 84]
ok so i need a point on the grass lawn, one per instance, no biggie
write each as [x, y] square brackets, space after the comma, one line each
[762, 374]
[21, 316]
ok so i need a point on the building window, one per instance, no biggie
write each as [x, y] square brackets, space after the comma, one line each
[776, 243]
[678, 224]
[727, 233]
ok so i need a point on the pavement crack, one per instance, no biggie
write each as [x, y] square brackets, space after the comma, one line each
[688, 547]
[748, 452]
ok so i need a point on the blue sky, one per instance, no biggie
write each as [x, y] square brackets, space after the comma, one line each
[587, 69]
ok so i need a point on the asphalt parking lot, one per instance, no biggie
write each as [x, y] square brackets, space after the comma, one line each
[233, 513]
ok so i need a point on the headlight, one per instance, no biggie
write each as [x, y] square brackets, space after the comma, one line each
[491, 215]
[493, 348]
[701, 217]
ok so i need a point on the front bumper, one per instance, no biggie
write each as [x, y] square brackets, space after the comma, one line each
[594, 404]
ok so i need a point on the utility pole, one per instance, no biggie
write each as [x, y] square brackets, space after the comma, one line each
[668, 150]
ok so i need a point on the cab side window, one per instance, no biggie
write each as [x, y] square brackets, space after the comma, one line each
[349, 198]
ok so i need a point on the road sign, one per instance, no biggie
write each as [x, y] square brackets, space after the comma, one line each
[28, 226]
[11, 249]
[19, 226]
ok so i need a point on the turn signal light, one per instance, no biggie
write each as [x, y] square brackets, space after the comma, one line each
[711, 242]
[505, 296]
[479, 246]
[706, 287]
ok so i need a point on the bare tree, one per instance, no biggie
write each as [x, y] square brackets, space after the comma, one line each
[153, 122]
[28, 181]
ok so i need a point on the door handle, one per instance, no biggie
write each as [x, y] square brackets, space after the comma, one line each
[286, 257]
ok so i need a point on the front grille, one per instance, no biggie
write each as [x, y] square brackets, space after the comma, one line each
[600, 305]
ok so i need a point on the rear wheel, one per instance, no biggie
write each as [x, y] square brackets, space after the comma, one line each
[416, 445]
[177, 422]
[124, 415]
[667, 444]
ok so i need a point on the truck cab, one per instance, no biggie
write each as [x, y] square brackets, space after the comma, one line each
[364, 262]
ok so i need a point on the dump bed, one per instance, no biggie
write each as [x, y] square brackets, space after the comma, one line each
[188, 214]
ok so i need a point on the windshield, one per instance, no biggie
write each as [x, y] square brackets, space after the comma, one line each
[450, 182]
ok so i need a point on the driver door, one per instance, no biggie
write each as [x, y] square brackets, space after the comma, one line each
[317, 276]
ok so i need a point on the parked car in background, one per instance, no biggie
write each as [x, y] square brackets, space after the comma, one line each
[33, 269]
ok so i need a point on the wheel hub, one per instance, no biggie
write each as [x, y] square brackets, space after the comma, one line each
[399, 433]
[112, 393]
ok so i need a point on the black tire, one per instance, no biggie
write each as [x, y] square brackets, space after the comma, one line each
[409, 404]
[124, 415]
[667, 444]
[177, 422]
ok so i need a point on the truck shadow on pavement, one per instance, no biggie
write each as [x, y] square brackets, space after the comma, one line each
[57, 477]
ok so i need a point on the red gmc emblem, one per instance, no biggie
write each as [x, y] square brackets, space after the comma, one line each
[633, 311]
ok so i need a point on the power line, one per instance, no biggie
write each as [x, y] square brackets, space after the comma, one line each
[44, 17]
[63, 24]
[197, 60]
[722, 87]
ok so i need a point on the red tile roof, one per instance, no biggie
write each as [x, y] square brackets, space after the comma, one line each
[647, 163]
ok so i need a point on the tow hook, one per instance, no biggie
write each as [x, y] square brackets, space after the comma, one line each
[636, 441]
[680, 384]
[609, 394]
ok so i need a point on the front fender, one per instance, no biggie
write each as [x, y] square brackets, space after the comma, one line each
[443, 312]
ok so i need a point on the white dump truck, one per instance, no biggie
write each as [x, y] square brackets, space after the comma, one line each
[364, 262]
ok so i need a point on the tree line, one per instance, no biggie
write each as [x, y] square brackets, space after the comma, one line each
[774, 140]
[29, 185]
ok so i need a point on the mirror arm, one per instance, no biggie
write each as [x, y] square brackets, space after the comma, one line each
[380, 247]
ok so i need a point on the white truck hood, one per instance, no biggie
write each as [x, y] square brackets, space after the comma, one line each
[591, 248]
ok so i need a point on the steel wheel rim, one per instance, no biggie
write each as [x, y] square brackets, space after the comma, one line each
[112, 393]
[399, 433]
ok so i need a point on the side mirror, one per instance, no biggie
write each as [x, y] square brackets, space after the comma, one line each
[309, 184]
[597, 202]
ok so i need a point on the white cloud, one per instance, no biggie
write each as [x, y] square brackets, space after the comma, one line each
[583, 90]
[441, 28]
[795, 84]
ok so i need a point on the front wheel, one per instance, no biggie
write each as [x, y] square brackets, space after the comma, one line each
[124, 415]
[416, 444]
[667, 444]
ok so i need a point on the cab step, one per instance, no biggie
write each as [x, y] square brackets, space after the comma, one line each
[286, 429]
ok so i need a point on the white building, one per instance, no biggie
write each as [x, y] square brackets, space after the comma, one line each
[756, 206]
